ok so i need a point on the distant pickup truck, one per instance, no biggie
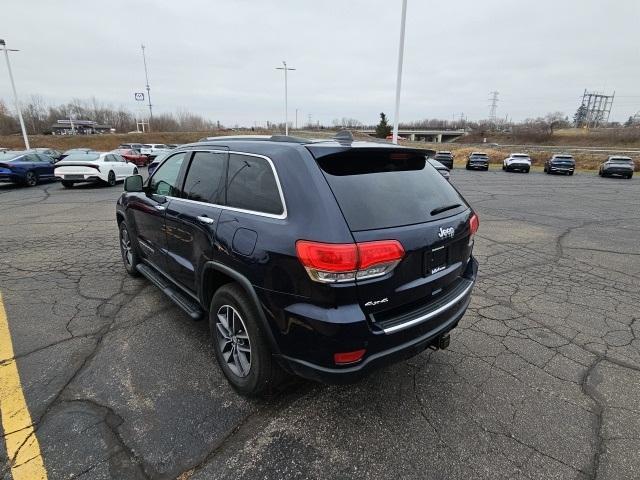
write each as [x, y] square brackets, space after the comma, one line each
[152, 150]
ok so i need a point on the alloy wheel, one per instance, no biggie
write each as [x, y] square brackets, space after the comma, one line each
[233, 340]
[125, 246]
[31, 179]
[111, 179]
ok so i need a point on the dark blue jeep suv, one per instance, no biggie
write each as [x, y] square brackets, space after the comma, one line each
[319, 258]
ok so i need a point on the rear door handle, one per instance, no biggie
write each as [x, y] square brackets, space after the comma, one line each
[205, 220]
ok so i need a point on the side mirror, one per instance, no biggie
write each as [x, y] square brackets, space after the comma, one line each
[133, 183]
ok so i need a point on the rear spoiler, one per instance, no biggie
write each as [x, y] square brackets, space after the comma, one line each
[62, 163]
[320, 150]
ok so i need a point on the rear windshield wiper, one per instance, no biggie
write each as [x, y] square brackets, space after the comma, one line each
[438, 210]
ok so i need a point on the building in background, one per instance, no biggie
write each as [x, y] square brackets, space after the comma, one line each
[79, 127]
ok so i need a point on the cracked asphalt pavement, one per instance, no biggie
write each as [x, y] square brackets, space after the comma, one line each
[541, 380]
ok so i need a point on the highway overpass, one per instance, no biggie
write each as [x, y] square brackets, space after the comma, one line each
[432, 136]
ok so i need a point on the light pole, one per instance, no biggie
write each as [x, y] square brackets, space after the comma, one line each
[286, 100]
[3, 45]
[399, 78]
[146, 76]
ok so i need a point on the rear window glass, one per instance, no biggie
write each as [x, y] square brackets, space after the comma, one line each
[251, 185]
[382, 189]
[82, 157]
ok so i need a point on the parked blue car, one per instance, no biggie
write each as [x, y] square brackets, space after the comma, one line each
[25, 168]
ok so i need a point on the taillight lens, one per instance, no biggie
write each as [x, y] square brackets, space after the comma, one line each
[346, 358]
[346, 262]
[474, 224]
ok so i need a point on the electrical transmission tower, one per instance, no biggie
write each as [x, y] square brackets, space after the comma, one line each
[493, 106]
[595, 109]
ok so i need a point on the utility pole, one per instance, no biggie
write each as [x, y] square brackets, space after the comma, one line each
[296, 119]
[3, 46]
[399, 77]
[146, 76]
[493, 106]
[286, 94]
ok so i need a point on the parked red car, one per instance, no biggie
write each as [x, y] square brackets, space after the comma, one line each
[133, 156]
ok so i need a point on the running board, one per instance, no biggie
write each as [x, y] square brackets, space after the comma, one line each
[188, 305]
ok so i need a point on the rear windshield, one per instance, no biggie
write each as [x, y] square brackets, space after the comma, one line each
[382, 189]
[563, 157]
[621, 160]
[82, 157]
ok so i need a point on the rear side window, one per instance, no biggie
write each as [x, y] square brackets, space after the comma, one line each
[251, 185]
[382, 189]
[205, 179]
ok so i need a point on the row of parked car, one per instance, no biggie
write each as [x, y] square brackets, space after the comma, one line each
[30, 167]
[615, 165]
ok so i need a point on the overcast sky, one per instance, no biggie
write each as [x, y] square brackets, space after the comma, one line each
[218, 58]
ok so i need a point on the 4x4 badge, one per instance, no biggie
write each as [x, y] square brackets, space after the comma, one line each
[446, 232]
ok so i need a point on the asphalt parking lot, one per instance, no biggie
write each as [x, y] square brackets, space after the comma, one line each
[542, 378]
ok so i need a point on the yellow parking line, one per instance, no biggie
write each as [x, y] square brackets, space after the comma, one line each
[20, 439]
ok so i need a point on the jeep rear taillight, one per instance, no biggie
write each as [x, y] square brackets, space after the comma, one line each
[474, 224]
[346, 262]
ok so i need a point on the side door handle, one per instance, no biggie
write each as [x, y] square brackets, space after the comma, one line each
[160, 207]
[203, 219]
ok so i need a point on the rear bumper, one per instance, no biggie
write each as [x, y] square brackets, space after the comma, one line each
[310, 335]
[518, 166]
[379, 359]
[478, 165]
[10, 177]
[76, 178]
[561, 168]
[617, 171]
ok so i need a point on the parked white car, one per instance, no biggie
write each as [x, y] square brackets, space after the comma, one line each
[102, 167]
[152, 150]
[517, 161]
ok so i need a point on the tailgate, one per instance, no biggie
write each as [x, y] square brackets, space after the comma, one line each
[395, 194]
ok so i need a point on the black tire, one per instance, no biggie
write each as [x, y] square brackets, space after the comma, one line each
[630, 176]
[527, 170]
[486, 169]
[130, 256]
[504, 168]
[111, 179]
[31, 179]
[570, 173]
[468, 167]
[263, 374]
[67, 184]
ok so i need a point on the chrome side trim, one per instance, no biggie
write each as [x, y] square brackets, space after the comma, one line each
[429, 315]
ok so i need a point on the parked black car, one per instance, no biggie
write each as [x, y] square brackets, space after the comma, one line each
[616, 165]
[324, 259]
[54, 154]
[445, 158]
[444, 171]
[478, 160]
[560, 164]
